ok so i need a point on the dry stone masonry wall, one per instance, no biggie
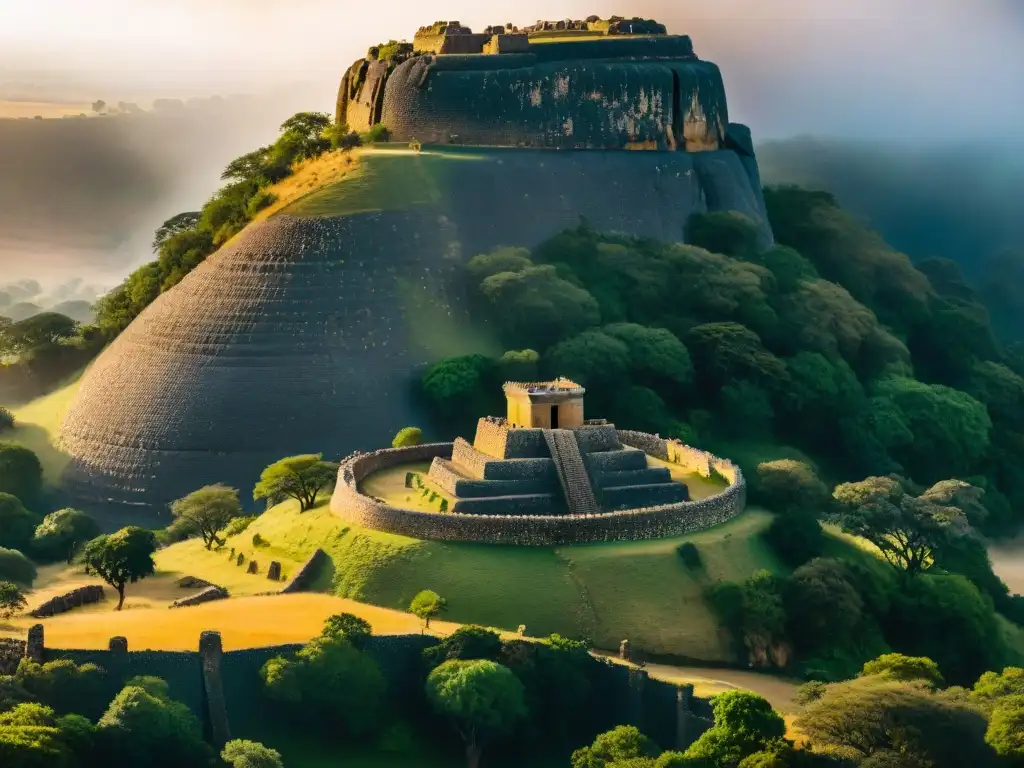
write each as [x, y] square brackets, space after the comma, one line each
[524, 529]
[87, 595]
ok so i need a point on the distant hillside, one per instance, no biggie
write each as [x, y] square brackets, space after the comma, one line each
[953, 201]
[959, 202]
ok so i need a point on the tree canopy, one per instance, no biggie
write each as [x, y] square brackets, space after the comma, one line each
[300, 477]
[122, 558]
[483, 700]
[207, 511]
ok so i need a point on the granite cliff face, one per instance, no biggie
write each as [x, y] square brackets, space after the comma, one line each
[306, 332]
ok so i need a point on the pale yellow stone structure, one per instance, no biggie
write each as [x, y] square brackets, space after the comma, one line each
[556, 404]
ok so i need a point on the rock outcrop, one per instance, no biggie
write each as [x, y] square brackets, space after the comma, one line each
[305, 333]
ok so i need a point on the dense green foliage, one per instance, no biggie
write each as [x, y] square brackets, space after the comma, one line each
[296, 477]
[184, 241]
[830, 342]
[241, 753]
[122, 558]
[61, 534]
[14, 566]
[16, 523]
[744, 724]
[347, 626]
[21, 474]
[481, 698]
[336, 683]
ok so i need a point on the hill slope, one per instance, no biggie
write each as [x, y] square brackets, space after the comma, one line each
[304, 332]
[607, 592]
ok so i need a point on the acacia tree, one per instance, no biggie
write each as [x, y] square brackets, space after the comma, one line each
[296, 477]
[481, 698]
[175, 225]
[426, 605]
[906, 529]
[207, 511]
[122, 558]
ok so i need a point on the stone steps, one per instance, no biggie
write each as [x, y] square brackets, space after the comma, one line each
[572, 473]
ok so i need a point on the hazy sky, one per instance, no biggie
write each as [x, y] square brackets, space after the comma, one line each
[928, 69]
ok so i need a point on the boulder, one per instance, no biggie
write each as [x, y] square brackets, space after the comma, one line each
[205, 596]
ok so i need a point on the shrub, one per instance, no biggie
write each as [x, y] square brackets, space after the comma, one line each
[378, 132]
[241, 753]
[689, 554]
[407, 437]
[465, 643]
[905, 668]
[257, 540]
[347, 626]
[15, 567]
[64, 686]
[21, 474]
[795, 537]
[238, 525]
[17, 524]
[6, 419]
[259, 201]
[786, 485]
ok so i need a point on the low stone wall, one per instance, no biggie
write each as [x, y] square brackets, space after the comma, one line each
[616, 461]
[534, 530]
[205, 596]
[652, 445]
[307, 573]
[87, 595]
[535, 504]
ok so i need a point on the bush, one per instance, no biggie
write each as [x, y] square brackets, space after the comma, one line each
[689, 554]
[407, 437]
[259, 201]
[905, 668]
[787, 485]
[465, 644]
[64, 686]
[15, 567]
[241, 753]
[6, 419]
[796, 537]
[238, 525]
[257, 540]
[21, 474]
[378, 132]
[17, 524]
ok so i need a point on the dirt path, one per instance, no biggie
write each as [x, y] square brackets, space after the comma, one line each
[778, 691]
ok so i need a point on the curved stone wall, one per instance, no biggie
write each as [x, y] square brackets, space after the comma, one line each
[528, 530]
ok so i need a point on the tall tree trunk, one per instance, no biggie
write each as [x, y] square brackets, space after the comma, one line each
[120, 595]
[473, 753]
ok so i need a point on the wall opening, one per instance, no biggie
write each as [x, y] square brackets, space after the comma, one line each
[554, 417]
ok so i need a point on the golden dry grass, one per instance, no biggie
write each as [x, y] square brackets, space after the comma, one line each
[309, 176]
[244, 622]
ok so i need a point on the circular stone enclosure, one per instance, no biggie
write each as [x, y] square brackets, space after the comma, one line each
[350, 504]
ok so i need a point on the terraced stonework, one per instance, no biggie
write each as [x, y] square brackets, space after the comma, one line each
[506, 500]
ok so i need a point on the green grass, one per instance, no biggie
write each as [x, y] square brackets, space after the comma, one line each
[37, 425]
[606, 592]
[387, 179]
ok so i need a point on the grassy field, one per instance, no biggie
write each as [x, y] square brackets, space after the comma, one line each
[605, 591]
[389, 485]
[37, 425]
[383, 179]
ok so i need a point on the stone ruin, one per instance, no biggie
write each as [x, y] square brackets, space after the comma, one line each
[87, 595]
[205, 596]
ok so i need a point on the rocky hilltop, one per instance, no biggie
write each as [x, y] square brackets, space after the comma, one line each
[307, 331]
